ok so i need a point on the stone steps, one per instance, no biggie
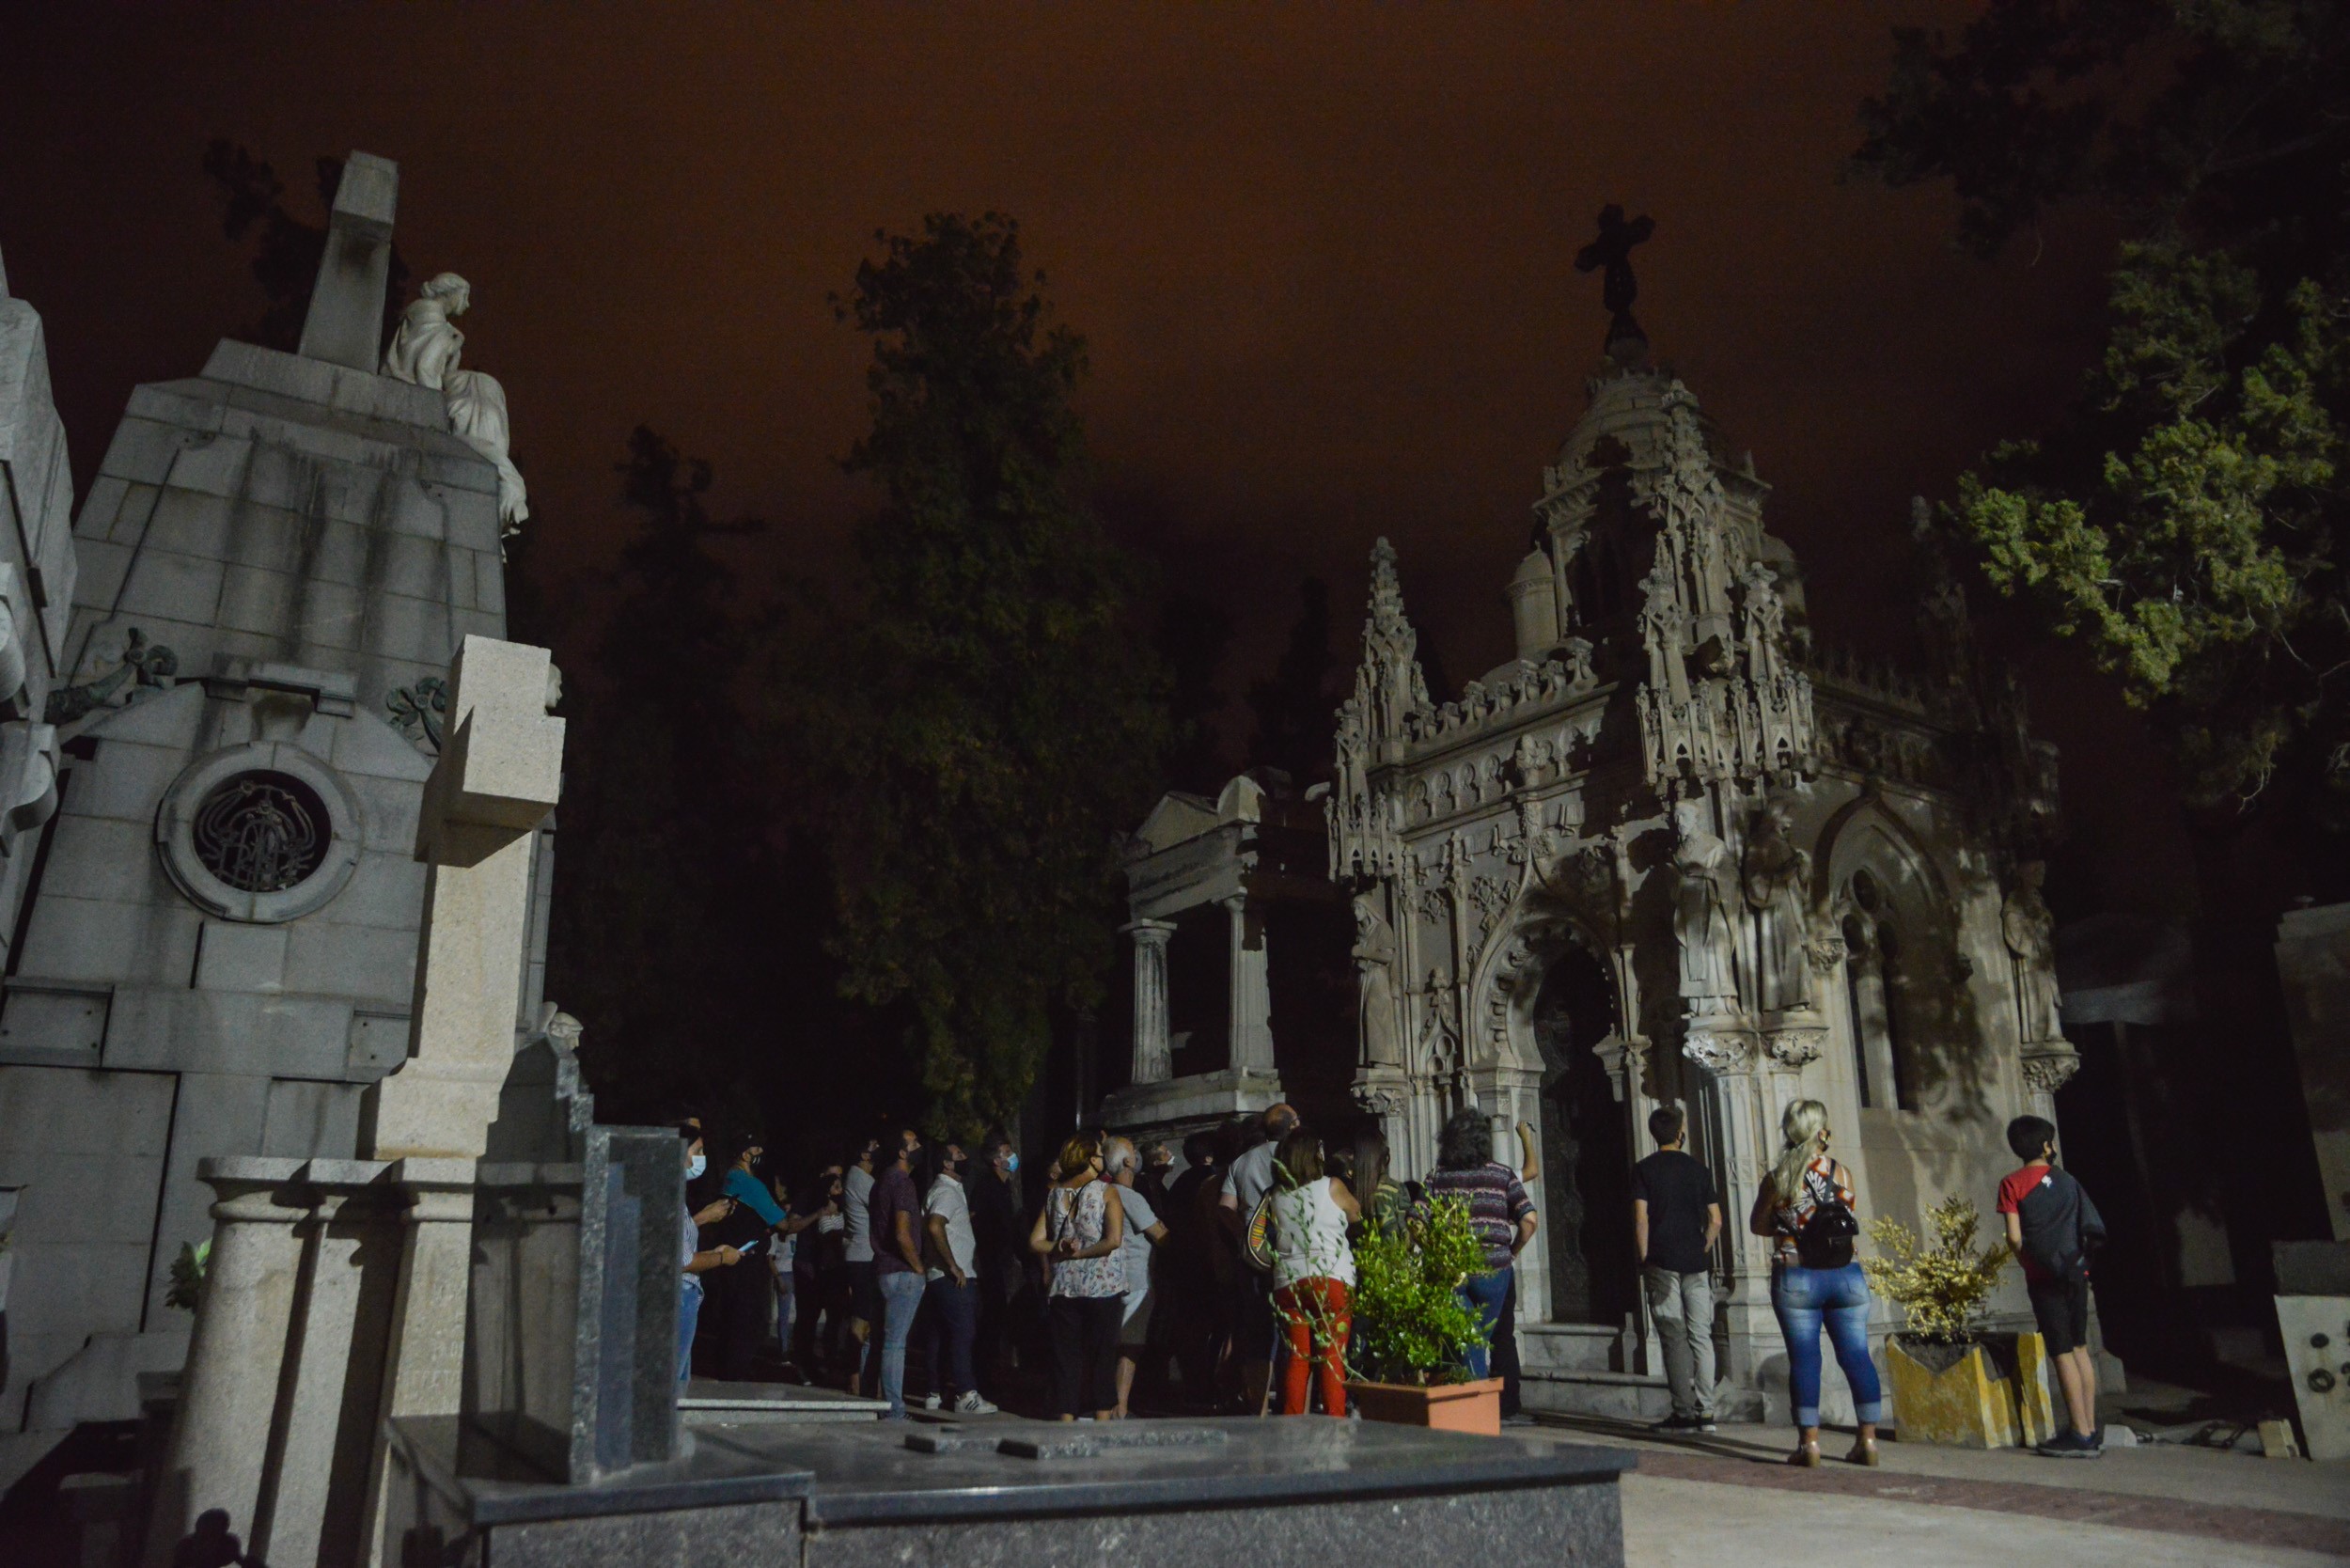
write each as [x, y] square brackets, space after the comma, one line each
[1561, 1347]
[1622, 1396]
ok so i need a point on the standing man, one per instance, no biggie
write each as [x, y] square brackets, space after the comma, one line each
[856, 1197]
[1143, 1230]
[1676, 1220]
[995, 1230]
[2052, 1226]
[895, 1217]
[1245, 1186]
[952, 1294]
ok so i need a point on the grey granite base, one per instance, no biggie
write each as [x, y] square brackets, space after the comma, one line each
[1297, 1493]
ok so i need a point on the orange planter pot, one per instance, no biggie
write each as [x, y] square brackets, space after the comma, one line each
[1446, 1407]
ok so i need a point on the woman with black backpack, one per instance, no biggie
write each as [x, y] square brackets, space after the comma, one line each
[1806, 1206]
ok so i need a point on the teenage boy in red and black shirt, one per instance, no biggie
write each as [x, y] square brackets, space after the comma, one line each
[2051, 1226]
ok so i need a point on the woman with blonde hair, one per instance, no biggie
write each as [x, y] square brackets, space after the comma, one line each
[1080, 1230]
[1806, 1207]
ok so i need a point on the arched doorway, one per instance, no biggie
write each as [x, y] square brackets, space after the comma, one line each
[1587, 1165]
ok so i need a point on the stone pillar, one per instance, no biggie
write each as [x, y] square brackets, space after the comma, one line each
[424, 1357]
[1154, 1056]
[496, 780]
[289, 1525]
[1737, 1115]
[220, 1438]
[1252, 995]
[2048, 1067]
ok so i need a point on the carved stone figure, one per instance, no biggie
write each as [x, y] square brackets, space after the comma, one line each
[425, 351]
[1701, 926]
[1773, 874]
[2030, 933]
[1766, 620]
[1374, 968]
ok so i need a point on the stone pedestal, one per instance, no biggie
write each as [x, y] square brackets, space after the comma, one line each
[1190, 1104]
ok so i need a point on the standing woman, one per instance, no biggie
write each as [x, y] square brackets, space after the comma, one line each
[1313, 1271]
[1806, 1206]
[1079, 1232]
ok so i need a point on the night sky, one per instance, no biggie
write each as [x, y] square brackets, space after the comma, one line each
[1323, 256]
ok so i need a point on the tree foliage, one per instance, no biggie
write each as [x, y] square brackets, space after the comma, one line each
[2187, 518]
[662, 863]
[989, 723]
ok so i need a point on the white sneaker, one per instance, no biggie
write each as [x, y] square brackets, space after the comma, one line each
[972, 1404]
[930, 1401]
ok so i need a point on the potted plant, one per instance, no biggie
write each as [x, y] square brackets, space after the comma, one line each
[1953, 1383]
[1407, 1350]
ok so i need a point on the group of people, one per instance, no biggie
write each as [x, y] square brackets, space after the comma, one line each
[1807, 1207]
[1207, 1278]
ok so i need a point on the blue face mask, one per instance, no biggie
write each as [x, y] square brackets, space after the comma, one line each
[1011, 1164]
[694, 1167]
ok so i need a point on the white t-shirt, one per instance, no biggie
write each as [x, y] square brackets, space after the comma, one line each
[1310, 1236]
[1250, 1178]
[1133, 1253]
[857, 1186]
[947, 1202]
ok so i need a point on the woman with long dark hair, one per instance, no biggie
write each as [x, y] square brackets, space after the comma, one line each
[1313, 1271]
[1806, 1206]
[1499, 1211]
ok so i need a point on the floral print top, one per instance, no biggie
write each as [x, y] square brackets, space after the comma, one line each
[1082, 1214]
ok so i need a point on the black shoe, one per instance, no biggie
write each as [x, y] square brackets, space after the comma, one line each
[2069, 1445]
[1676, 1423]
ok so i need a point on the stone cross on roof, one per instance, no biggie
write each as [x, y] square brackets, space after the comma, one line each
[345, 325]
[1612, 251]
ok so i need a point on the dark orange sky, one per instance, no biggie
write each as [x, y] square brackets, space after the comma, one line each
[1322, 255]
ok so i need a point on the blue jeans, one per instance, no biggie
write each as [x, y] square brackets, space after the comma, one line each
[954, 1323]
[1484, 1294]
[689, 1307]
[1802, 1298]
[902, 1297]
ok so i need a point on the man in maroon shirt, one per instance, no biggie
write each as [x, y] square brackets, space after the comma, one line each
[894, 1213]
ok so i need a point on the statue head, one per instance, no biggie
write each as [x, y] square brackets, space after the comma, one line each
[2032, 875]
[1688, 819]
[452, 293]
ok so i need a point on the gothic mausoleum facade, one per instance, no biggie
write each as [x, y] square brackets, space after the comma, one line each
[1671, 853]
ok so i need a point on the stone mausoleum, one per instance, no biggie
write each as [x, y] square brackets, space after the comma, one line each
[212, 769]
[1671, 852]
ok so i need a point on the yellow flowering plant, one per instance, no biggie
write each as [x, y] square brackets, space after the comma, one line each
[1941, 1290]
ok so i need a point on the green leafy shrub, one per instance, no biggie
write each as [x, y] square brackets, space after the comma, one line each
[187, 1275]
[1410, 1327]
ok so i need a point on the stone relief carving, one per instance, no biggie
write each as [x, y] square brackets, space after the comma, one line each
[425, 351]
[1775, 875]
[1718, 1052]
[145, 667]
[1375, 967]
[2030, 932]
[2046, 1072]
[1702, 925]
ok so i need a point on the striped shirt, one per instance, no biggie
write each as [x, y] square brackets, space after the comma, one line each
[1496, 1204]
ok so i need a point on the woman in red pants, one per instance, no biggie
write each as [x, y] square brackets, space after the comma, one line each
[1313, 1270]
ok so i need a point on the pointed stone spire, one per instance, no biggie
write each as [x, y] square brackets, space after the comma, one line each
[345, 325]
[1389, 685]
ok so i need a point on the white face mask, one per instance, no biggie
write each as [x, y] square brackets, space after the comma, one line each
[694, 1167]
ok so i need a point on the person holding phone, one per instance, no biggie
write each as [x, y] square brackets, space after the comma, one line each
[696, 1260]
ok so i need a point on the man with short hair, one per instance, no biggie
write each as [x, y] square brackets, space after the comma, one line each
[1245, 1186]
[1145, 1230]
[951, 1297]
[2051, 1228]
[893, 1215]
[1676, 1218]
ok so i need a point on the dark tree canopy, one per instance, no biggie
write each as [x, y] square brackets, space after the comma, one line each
[990, 722]
[2188, 519]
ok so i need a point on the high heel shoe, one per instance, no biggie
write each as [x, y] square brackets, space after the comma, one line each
[1863, 1452]
[1807, 1456]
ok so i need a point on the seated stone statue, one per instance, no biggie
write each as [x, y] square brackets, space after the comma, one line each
[425, 351]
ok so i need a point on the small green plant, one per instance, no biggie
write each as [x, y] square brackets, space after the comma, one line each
[187, 1274]
[1941, 1290]
[1410, 1323]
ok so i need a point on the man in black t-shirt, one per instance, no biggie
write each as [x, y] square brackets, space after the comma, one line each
[1676, 1217]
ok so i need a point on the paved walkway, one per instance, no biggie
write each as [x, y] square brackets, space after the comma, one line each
[1729, 1499]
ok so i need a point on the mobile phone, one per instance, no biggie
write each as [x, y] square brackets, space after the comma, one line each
[750, 1247]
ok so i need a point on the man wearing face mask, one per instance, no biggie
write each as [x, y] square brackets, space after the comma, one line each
[740, 1301]
[995, 1232]
[696, 1259]
[895, 1211]
[951, 1297]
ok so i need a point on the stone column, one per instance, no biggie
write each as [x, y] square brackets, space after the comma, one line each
[1743, 1144]
[1252, 995]
[1154, 1056]
[220, 1438]
[424, 1356]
